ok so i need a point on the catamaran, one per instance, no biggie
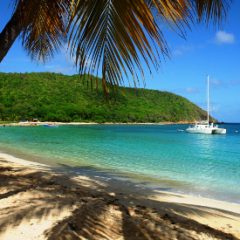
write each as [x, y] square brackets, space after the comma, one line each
[205, 127]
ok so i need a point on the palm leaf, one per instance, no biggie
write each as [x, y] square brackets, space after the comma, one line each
[112, 37]
[43, 26]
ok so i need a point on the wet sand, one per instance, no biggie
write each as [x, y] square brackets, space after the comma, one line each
[42, 202]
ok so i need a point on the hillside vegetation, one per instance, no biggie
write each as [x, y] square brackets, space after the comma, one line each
[56, 97]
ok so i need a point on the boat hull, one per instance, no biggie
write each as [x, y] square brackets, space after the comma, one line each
[200, 131]
[219, 131]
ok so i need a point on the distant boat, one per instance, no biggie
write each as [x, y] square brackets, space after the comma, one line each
[50, 125]
[205, 127]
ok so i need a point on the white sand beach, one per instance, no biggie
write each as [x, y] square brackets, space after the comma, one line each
[41, 123]
[41, 202]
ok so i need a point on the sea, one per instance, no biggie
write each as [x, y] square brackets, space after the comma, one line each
[163, 157]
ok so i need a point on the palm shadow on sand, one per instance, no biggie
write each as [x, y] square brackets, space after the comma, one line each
[97, 209]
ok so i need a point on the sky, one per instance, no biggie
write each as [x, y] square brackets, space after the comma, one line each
[211, 50]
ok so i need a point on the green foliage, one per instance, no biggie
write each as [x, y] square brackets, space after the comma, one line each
[56, 97]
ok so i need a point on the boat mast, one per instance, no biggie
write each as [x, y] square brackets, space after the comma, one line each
[208, 104]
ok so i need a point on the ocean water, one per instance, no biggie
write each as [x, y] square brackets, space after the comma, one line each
[161, 155]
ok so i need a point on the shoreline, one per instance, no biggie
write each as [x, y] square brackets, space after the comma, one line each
[148, 181]
[220, 215]
[199, 200]
[166, 185]
[40, 123]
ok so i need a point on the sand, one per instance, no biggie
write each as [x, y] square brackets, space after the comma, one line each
[42, 202]
[40, 123]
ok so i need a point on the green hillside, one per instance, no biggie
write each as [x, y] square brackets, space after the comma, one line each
[56, 97]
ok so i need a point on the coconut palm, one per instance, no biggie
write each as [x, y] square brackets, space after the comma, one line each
[110, 38]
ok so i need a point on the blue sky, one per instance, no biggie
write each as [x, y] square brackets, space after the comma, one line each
[206, 50]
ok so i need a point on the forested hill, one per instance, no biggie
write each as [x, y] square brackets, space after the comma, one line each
[56, 97]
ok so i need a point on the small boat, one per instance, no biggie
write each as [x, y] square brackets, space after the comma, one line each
[206, 127]
[50, 125]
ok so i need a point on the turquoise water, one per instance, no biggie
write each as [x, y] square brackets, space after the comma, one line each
[206, 165]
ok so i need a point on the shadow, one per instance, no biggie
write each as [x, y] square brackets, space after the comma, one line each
[88, 203]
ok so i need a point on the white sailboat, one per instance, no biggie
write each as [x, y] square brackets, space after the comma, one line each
[205, 127]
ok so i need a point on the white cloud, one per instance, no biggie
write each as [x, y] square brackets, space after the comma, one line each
[185, 49]
[180, 50]
[177, 52]
[223, 37]
[191, 90]
[216, 82]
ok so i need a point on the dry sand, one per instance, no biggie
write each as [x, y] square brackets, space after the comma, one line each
[41, 202]
[39, 123]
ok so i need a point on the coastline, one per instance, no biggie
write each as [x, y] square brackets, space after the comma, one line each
[36, 145]
[106, 173]
[39, 123]
[220, 216]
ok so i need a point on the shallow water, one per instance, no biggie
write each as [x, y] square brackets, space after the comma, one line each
[206, 165]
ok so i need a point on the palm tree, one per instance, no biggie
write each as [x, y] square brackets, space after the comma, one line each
[106, 37]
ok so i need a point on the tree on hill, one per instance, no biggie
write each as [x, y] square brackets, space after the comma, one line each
[109, 37]
[55, 97]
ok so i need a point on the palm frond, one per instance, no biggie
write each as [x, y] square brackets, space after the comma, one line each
[44, 26]
[113, 36]
[210, 10]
